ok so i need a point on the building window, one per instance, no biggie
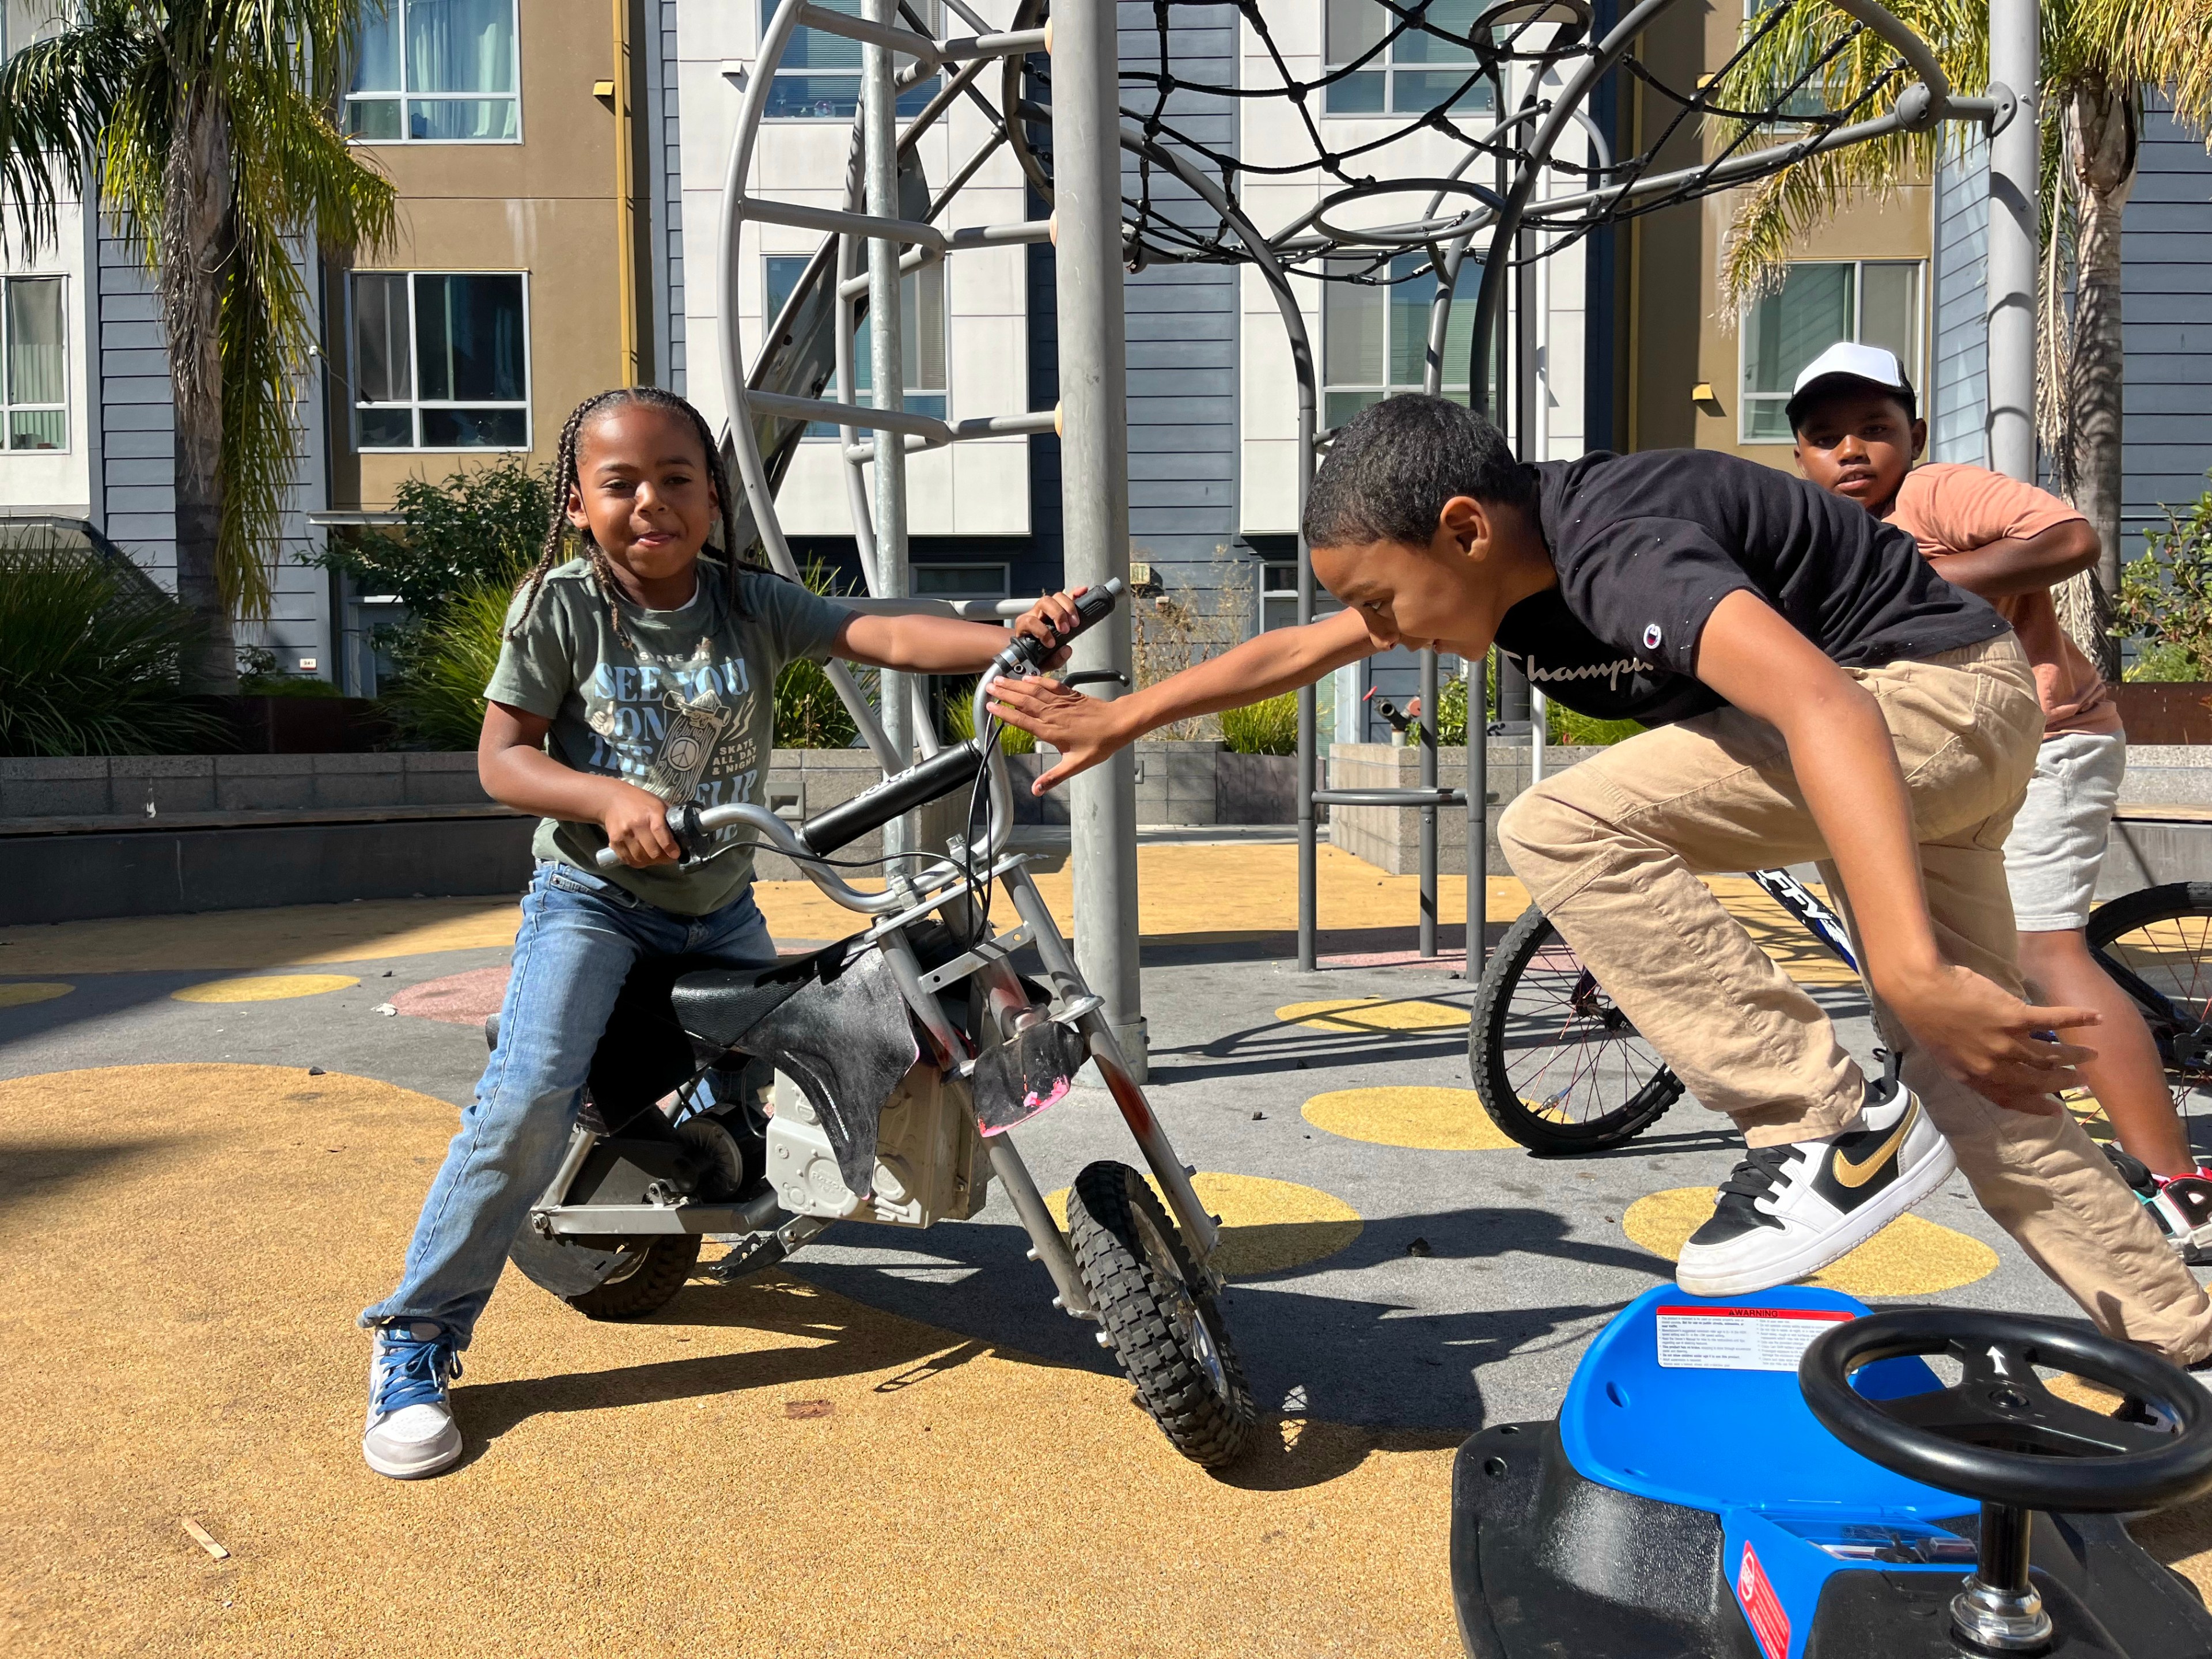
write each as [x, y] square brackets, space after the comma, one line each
[921, 336]
[1876, 303]
[957, 581]
[440, 361]
[436, 72]
[818, 76]
[22, 22]
[1374, 339]
[36, 371]
[1416, 72]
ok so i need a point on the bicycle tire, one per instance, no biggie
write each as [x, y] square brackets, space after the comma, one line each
[1498, 1054]
[2168, 977]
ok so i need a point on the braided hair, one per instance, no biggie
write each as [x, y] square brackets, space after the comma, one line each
[558, 530]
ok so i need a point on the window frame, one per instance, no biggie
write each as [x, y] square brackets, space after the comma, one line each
[415, 405]
[1386, 64]
[8, 410]
[822, 432]
[1747, 400]
[767, 9]
[1470, 274]
[403, 97]
[1003, 589]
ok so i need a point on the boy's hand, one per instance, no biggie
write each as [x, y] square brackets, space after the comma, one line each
[1049, 621]
[1086, 730]
[1985, 1037]
[637, 823]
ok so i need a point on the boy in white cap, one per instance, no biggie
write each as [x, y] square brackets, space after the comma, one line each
[1858, 433]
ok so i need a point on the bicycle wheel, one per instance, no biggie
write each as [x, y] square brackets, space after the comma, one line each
[1558, 1066]
[2158, 945]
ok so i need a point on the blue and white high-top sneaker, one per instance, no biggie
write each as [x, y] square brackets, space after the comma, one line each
[1790, 1209]
[410, 1430]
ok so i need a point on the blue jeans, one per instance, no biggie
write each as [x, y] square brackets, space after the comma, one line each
[579, 939]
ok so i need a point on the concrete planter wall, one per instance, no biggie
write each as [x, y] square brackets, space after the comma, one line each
[1388, 837]
[126, 786]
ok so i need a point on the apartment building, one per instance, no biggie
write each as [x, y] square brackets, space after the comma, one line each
[560, 167]
[1905, 272]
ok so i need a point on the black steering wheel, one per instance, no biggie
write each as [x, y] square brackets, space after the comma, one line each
[1998, 1434]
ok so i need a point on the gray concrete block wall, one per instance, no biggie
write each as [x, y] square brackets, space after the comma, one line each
[1388, 837]
[124, 786]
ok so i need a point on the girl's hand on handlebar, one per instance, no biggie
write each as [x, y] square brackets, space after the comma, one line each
[637, 823]
[1086, 730]
[1050, 620]
[1987, 1039]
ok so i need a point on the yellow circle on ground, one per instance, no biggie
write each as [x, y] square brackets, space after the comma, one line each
[26, 990]
[1433, 1119]
[1909, 1257]
[1266, 1226]
[1372, 1014]
[264, 987]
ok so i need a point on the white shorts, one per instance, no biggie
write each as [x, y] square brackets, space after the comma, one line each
[2058, 841]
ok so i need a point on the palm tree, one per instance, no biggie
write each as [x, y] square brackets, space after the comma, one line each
[205, 127]
[2101, 57]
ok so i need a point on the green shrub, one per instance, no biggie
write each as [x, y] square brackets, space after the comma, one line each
[1266, 727]
[438, 698]
[89, 663]
[2166, 599]
[1451, 713]
[473, 530]
[959, 705]
[809, 712]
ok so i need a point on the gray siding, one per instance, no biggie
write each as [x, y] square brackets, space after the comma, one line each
[2166, 312]
[660, 130]
[1182, 330]
[135, 416]
[136, 482]
[1958, 398]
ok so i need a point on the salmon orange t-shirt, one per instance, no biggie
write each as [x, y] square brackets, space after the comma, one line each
[1951, 509]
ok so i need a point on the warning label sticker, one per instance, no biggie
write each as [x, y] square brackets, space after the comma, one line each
[1740, 1338]
[1762, 1607]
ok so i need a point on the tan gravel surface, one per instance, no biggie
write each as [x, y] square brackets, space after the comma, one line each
[187, 1246]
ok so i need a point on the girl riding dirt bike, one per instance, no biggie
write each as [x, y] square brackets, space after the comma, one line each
[635, 674]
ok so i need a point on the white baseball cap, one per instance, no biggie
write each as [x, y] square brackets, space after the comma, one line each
[1847, 360]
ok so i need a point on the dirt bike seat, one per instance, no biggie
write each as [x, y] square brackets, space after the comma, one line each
[718, 1005]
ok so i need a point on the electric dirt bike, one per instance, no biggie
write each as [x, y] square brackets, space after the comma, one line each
[876, 1080]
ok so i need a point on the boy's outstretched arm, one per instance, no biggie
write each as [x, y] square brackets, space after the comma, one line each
[1846, 764]
[1086, 730]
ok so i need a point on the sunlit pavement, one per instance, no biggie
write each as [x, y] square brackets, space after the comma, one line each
[215, 1133]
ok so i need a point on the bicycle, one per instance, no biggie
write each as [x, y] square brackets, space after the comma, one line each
[1562, 1071]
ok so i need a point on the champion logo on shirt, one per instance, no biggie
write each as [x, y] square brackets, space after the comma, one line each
[1652, 637]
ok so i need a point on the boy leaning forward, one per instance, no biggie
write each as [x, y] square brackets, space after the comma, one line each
[1817, 694]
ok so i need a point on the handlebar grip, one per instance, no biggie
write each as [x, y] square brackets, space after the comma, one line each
[1091, 608]
[682, 823]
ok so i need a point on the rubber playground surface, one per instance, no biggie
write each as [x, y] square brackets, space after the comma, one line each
[214, 1132]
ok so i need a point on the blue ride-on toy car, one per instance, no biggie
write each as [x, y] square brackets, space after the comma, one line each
[1708, 1491]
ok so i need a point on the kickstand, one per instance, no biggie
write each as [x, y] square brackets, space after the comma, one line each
[762, 1250]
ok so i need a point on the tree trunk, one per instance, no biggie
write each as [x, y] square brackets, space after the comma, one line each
[195, 245]
[2101, 118]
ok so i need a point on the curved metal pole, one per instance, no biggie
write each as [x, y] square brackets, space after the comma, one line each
[1916, 106]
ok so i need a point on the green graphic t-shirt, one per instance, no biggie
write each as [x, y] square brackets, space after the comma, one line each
[687, 716]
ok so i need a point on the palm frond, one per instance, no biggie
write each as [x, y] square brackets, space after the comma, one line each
[1814, 50]
[56, 100]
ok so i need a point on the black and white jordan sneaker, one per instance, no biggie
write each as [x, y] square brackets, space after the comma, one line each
[2180, 1205]
[1790, 1209]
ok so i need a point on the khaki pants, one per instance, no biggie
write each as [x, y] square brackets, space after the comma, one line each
[1612, 848]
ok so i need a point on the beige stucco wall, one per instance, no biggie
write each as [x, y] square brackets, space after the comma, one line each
[546, 207]
[1683, 333]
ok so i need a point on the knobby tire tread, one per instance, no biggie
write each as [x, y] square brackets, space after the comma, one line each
[1136, 1312]
[669, 1262]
